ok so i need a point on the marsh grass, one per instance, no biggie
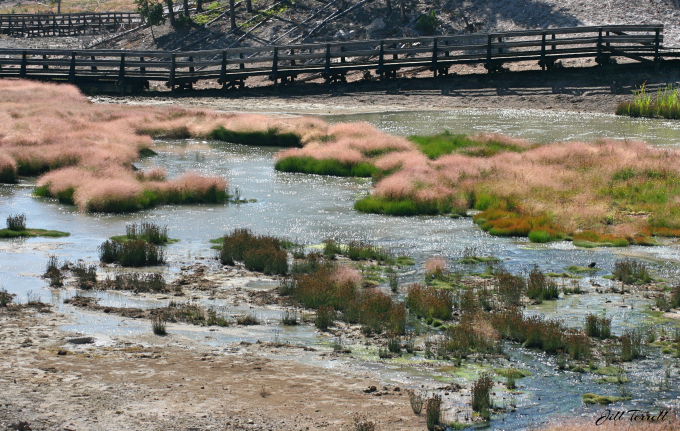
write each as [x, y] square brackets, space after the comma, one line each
[591, 398]
[664, 104]
[316, 285]
[132, 253]
[259, 253]
[428, 302]
[325, 316]
[540, 287]
[16, 222]
[247, 320]
[332, 167]
[435, 146]
[433, 409]
[271, 137]
[138, 283]
[631, 272]
[599, 327]
[146, 231]
[289, 318]
[631, 345]
[158, 326]
[416, 400]
[86, 275]
[481, 394]
[5, 297]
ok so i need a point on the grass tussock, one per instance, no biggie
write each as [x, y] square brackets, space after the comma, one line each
[599, 327]
[631, 272]
[137, 282]
[428, 302]
[259, 253]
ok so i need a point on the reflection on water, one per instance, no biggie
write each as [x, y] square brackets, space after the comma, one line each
[310, 208]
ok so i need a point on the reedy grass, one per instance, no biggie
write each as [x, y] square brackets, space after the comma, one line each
[428, 302]
[30, 233]
[258, 253]
[665, 104]
[135, 252]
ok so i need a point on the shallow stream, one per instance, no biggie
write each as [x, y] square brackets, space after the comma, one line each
[310, 208]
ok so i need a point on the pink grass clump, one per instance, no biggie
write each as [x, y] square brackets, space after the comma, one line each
[345, 275]
[436, 265]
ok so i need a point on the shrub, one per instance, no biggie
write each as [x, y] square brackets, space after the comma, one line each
[258, 253]
[16, 222]
[631, 272]
[433, 409]
[481, 394]
[427, 23]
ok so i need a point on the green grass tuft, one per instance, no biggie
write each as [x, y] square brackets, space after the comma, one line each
[269, 138]
[27, 233]
[601, 399]
[310, 165]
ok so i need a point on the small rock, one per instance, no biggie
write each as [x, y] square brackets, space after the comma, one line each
[81, 340]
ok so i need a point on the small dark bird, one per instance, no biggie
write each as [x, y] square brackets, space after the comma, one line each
[592, 265]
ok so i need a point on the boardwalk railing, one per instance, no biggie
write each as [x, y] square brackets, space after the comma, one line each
[67, 24]
[231, 67]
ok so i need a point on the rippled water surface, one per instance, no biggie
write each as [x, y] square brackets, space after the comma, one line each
[310, 208]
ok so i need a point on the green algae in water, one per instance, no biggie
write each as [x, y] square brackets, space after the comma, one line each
[515, 373]
[125, 238]
[581, 269]
[590, 398]
[611, 379]
[32, 233]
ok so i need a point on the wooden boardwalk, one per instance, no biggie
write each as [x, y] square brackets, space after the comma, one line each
[67, 24]
[332, 61]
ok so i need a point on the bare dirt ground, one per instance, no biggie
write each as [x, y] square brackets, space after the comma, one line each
[163, 383]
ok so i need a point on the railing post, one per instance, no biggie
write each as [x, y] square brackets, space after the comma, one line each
[434, 56]
[241, 65]
[327, 69]
[191, 68]
[543, 64]
[381, 59]
[171, 80]
[24, 60]
[142, 69]
[45, 67]
[93, 68]
[599, 47]
[292, 61]
[500, 49]
[553, 47]
[275, 64]
[657, 43]
[121, 74]
[72, 69]
[488, 53]
[223, 71]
